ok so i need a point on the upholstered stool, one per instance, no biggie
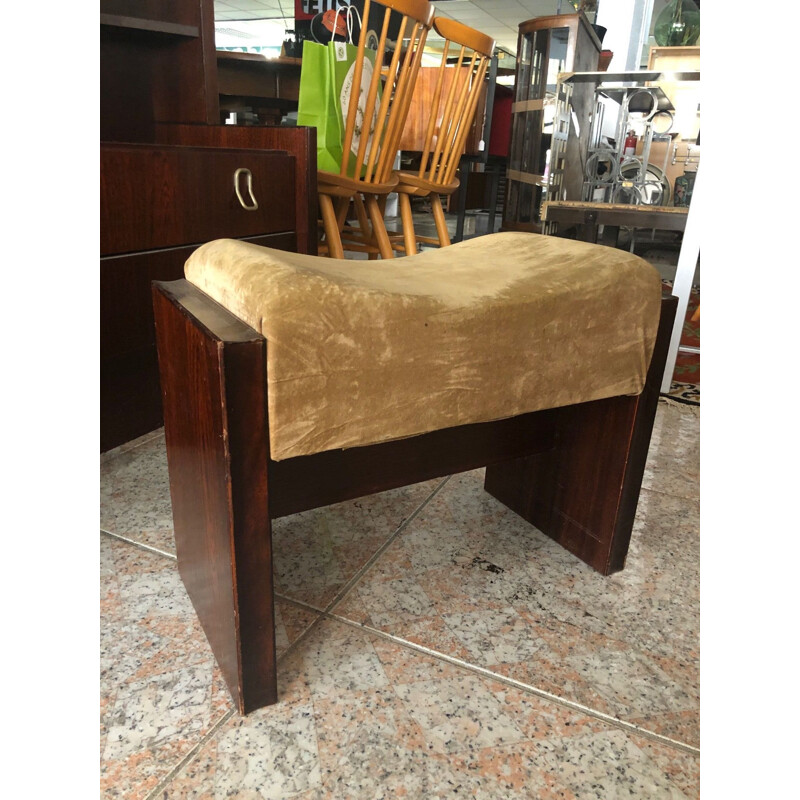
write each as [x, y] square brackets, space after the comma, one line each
[291, 382]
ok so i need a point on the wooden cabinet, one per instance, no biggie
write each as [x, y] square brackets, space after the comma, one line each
[158, 203]
[174, 196]
[167, 186]
[267, 88]
[157, 64]
[546, 46]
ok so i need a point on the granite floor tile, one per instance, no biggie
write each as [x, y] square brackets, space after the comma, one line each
[605, 766]
[315, 552]
[673, 460]
[364, 716]
[134, 493]
[470, 579]
[161, 689]
[360, 716]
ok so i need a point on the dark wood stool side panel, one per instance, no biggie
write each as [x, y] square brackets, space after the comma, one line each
[248, 438]
[584, 492]
[193, 423]
[647, 404]
[215, 428]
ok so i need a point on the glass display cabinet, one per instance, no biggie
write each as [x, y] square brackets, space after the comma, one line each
[546, 47]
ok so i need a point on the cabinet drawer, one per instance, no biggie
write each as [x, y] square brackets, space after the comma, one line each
[126, 301]
[155, 196]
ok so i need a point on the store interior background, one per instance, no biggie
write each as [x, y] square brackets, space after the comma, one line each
[259, 26]
[748, 436]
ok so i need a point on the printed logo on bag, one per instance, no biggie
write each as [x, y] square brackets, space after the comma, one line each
[341, 54]
[344, 98]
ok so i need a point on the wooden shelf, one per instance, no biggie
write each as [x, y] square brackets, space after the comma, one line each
[150, 25]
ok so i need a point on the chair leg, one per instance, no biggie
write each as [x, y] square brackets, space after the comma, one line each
[441, 223]
[363, 221]
[342, 207]
[365, 227]
[330, 221]
[409, 236]
[379, 227]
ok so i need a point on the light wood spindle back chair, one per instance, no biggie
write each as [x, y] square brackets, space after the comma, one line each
[465, 58]
[372, 176]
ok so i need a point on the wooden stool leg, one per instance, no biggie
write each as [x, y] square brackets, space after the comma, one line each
[215, 424]
[409, 236]
[378, 227]
[583, 493]
[329, 220]
[441, 223]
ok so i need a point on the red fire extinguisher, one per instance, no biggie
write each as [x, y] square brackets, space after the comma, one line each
[630, 144]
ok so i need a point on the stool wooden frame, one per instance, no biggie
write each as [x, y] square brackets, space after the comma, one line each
[373, 178]
[574, 472]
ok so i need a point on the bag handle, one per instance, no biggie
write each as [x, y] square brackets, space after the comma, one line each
[351, 11]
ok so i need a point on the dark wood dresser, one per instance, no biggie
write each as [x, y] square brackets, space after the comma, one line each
[158, 203]
[172, 178]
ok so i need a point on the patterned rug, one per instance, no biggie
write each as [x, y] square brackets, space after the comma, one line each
[685, 386]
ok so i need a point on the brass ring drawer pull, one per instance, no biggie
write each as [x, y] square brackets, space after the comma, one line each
[253, 206]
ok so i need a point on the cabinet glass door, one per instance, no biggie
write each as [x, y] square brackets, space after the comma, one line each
[557, 56]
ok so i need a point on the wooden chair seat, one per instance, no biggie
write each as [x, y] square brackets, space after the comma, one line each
[409, 183]
[342, 186]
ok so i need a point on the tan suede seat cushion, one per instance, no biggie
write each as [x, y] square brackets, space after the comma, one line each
[360, 352]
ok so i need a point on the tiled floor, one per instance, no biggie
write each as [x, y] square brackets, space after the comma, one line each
[432, 645]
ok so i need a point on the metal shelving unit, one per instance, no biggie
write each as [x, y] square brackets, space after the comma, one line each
[609, 173]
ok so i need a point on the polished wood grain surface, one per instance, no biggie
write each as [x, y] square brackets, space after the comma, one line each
[157, 65]
[301, 143]
[174, 196]
[157, 204]
[159, 87]
[215, 424]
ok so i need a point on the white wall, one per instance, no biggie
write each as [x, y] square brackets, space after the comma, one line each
[628, 23]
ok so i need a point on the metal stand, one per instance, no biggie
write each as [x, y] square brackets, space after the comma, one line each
[627, 179]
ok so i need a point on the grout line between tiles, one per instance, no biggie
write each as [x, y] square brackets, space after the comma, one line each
[304, 635]
[324, 613]
[524, 687]
[299, 603]
[350, 585]
[140, 545]
[189, 757]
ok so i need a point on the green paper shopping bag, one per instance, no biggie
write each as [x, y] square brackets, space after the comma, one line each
[326, 78]
[317, 105]
[343, 67]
